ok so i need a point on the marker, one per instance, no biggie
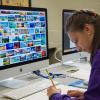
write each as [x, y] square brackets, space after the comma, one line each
[50, 78]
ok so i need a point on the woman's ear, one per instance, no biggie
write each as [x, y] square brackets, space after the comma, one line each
[89, 29]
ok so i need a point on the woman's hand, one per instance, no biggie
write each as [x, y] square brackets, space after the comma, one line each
[52, 90]
[76, 93]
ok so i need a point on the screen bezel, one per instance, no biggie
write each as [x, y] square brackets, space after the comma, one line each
[27, 9]
[70, 51]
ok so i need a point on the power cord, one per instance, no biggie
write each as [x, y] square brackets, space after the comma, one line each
[58, 51]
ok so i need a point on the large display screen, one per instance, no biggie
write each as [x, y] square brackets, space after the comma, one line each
[67, 45]
[23, 35]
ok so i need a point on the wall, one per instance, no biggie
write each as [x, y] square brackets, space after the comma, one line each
[55, 15]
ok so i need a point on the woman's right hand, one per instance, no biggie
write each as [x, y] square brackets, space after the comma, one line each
[76, 93]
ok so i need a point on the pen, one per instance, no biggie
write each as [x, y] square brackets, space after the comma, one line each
[50, 78]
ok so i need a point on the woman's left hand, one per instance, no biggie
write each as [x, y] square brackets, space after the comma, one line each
[52, 90]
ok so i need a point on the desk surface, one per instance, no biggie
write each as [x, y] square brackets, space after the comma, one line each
[64, 81]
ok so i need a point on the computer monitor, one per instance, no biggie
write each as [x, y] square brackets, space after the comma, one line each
[23, 40]
[69, 51]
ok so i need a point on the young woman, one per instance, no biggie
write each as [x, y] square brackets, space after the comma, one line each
[83, 28]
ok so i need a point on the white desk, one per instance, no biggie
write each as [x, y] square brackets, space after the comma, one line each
[65, 81]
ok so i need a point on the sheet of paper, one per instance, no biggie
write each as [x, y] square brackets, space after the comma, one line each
[81, 74]
[43, 95]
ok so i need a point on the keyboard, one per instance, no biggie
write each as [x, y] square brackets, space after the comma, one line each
[28, 90]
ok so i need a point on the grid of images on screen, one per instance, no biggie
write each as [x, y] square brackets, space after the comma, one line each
[22, 36]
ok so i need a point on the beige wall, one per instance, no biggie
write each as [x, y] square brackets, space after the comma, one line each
[55, 15]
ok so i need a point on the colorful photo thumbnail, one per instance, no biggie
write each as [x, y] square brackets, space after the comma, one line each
[33, 49]
[23, 58]
[10, 53]
[29, 56]
[35, 55]
[11, 18]
[42, 18]
[0, 39]
[23, 44]
[31, 31]
[14, 59]
[17, 18]
[37, 24]
[43, 24]
[9, 46]
[38, 36]
[3, 18]
[18, 51]
[30, 43]
[12, 25]
[23, 31]
[2, 46]
[14, 31]
[5, 40]
[36, 18]
[26, 50]
[16, 45]
[4, 24]
[37, 43]
[37, 31]
[20, 25]
[38, 48]
[2, 54]
[6, 61]
[43, 53]
[14, 38]
[43, 30]
[29, 18]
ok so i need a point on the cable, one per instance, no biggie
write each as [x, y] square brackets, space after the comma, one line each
[58, 51]
[38, 73]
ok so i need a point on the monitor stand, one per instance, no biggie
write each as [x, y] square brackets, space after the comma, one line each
[13, 83]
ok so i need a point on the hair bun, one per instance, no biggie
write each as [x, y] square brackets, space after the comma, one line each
[90, 13]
